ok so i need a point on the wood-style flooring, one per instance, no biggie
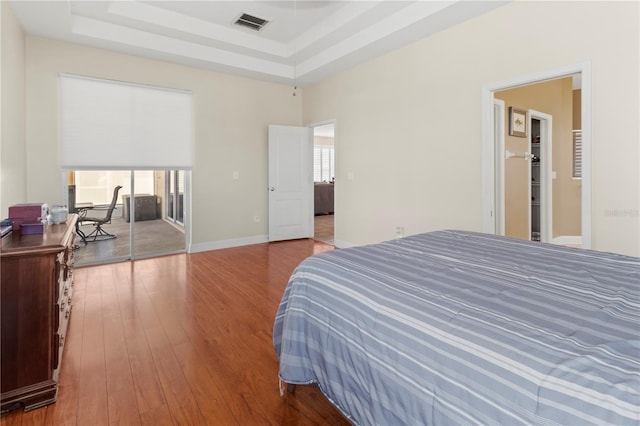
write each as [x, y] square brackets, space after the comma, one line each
[323, 228]
[181, 340]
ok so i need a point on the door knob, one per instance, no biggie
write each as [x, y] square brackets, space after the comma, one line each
[272, 189]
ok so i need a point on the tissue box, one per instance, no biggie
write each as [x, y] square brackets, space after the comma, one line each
[32, 228]
[33, 210]
[27, 214]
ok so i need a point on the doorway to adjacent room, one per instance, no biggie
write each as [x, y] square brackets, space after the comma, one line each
[324, 172]
[576, 158]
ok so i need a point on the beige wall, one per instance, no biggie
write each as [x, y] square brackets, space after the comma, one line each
[409, 124]
[556, 99]
[231, 119]
[13, 155]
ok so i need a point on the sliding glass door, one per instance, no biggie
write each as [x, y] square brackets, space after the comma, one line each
[114, 134]
[147, 219]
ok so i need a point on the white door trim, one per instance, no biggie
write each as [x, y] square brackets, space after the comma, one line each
[499, 128]
[488, 142]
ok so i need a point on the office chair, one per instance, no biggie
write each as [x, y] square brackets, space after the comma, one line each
[99, 234]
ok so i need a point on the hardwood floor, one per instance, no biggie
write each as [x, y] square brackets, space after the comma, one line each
[323, 228]
[183, 339]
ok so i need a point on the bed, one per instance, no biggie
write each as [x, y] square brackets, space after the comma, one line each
[454, 327]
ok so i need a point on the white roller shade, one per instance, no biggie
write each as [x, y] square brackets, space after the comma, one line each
[111, 124]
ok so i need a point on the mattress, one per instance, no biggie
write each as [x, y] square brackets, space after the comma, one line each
[454, 327]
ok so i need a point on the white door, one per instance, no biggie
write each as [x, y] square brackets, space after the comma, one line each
[290, 183]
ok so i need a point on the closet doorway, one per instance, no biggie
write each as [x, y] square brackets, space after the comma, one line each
[571, 157]
[324, 172]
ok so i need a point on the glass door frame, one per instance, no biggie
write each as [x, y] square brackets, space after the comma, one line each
[172, 188]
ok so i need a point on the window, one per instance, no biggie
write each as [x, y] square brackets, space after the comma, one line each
[111, 125]
[577, 154]
[323, 163]
[114, 133]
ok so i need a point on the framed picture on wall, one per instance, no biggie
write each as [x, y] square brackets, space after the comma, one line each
[517, 122]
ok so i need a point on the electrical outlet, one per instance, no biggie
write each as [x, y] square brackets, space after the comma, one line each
[256, 219]
[399, 232]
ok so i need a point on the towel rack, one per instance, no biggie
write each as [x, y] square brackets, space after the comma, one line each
[508, 154]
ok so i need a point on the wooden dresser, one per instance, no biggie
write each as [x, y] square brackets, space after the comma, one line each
[36, 288]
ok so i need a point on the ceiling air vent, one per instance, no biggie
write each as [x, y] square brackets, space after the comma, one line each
[251, 21]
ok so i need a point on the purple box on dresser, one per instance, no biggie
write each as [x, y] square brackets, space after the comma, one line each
[27, 213]
[19, 221]
[31, 228]
[28, 210]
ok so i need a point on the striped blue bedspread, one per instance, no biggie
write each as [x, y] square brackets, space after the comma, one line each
[454, 327]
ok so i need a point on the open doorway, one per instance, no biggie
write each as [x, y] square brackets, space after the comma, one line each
[571, 166]
[324, 166]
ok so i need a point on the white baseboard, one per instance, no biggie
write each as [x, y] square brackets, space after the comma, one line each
[222, 244]
[568, 240]
[246, 241]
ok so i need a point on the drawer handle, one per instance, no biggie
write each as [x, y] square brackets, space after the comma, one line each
[67, 313]
[62, 307]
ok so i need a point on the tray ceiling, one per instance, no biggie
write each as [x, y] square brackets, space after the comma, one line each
[302, 42]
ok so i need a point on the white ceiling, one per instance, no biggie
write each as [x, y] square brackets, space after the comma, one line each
[304, 41]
